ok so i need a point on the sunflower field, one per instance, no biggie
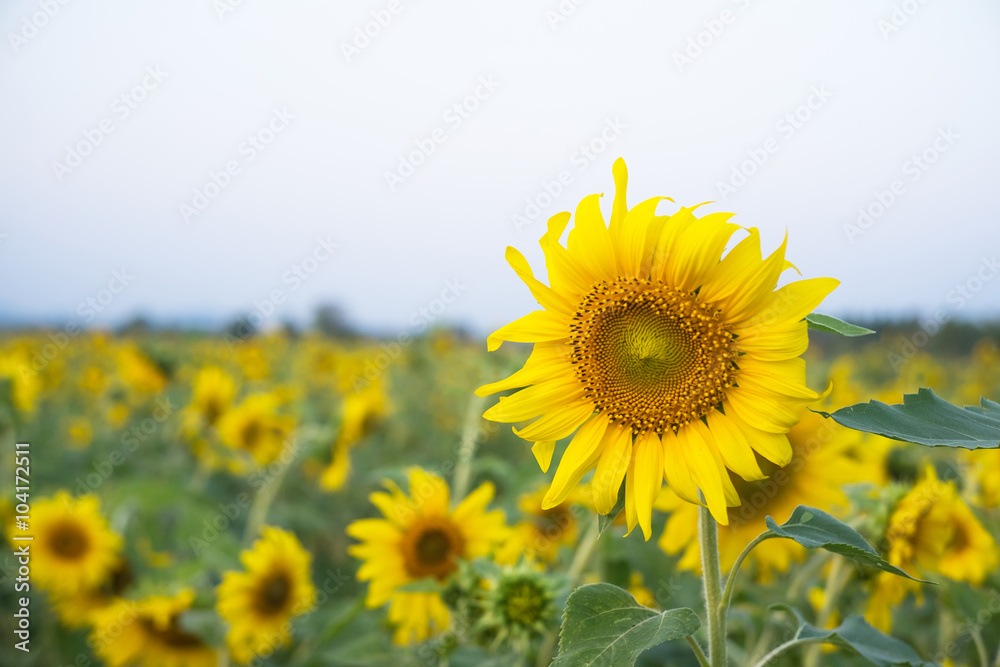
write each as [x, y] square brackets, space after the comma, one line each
[176, 499]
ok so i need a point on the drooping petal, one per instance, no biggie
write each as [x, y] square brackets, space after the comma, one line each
[580, 456]
[547, 297]
[543, 453]
[611, 468]
[732, 444]
[649, 478]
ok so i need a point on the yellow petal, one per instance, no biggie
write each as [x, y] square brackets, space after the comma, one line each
[538, 399]
[580, 456]
[611, 468]
[536, 327]
[649, 477]
[546, 296]
[558, 423]
[732, 444]
[543, 453]
[589, 241]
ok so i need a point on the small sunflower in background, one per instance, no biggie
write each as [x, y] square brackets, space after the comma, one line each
[149, 633]
[539, 537]
[362, 409]
[663, 356]
[931, 531]
[76, 610]
[211, 397]
[256, 428]
[74, 548]
[260, 603]
[141, 375]
[820, 466]
[421, 537]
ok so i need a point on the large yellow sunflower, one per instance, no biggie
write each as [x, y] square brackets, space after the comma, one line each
[149, 633]
[74, 549]
[662, 358]
[421, 537]
[260, 603]
[931, 531]
[820, 466]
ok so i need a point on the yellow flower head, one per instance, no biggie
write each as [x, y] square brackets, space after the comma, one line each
[931, 531]
[139, 372]
[421, 537]
[260, 603]
[74, 549]
[149, 633]
[819, 468]
[361, 410]
[255, 428]
[664, 357]
[77, 609]
[540, 537]
[211, 397]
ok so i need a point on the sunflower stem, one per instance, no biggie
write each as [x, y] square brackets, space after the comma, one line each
[835, 580]
[698, 653]
[712, 576]
[727, 594]
[467, 447]
[262, 501]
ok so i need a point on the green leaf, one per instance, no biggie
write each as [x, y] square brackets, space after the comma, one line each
[815, 529]
[829, 324]
[604, 626]
[874, 646]
[604, 521]
[926, 419]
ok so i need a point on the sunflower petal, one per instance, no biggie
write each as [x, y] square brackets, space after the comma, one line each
[611, 468]
[649, 478]
[580, 456]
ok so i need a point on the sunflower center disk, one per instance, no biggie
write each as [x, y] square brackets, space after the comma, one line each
[430, 548]
[651, 357]
[274, 593]
[69, 541]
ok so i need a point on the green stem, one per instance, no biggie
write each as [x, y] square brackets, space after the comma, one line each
[727, 594]
[712, 575]
[467, 448]
[977, 639]
[584, 550]
[835, 580]
[784, 647]
[698, 653]
[262, 501]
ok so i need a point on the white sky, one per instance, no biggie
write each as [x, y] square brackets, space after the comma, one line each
[323, 175]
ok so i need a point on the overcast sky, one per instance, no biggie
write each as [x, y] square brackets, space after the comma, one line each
[222, 153]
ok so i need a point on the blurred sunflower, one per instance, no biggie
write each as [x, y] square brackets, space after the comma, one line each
[545, 530]
[211, 397]
[149, 633]
[141, 375]
[421, 537]
[255, 428]
[665, 360]
[260, 603]
[16, 367]
[74, 549]
[819, 468]
[931, 531]
[362, 409]
[76, 609]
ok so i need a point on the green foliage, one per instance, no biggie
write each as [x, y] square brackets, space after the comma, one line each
[829, 324]
[855, 633]
[815, 529]
[926, 419]
[605, 626]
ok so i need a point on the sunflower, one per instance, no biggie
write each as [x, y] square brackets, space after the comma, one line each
[419, 538]
[931, 531]
[76, 609]
[362, 409]
[540, 537]
[820, 466]
[260, 603]
[140, 373]
[255, 427]
[665, 360]
[149, 633]
[74, 549]
[211, 398]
